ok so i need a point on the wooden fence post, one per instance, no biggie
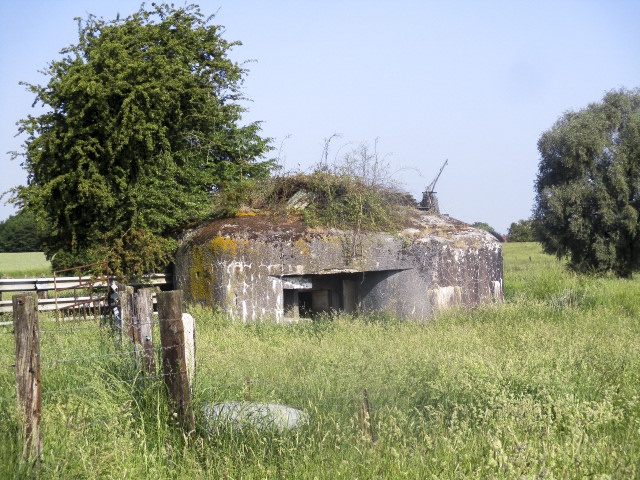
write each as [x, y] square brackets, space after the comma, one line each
[174, 363]
[125, 295]
[27, 339]
[144, 323]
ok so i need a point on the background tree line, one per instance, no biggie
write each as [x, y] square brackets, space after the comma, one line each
[21, 233]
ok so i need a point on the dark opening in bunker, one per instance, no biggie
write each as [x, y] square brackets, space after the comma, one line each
[305, 296]
[306, 303]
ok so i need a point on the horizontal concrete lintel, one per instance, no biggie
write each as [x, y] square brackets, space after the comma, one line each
[296, 283]
[338, 271]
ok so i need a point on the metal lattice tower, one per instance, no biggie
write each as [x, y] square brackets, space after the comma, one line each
[429, 201]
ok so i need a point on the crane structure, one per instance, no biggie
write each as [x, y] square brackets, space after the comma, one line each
[429, 201]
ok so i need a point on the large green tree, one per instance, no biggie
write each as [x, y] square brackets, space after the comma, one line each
[588, 186]
[142, 127]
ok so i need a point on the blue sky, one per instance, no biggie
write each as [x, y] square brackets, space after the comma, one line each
[474, 82]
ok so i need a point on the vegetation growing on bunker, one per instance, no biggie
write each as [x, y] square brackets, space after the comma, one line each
[355, 192]
[323, 199]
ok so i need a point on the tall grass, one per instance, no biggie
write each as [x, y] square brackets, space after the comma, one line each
[543, 386]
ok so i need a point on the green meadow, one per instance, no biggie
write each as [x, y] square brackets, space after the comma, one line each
[544, 385]
[24, 265]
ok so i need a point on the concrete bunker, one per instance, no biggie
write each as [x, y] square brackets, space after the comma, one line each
[259, 267]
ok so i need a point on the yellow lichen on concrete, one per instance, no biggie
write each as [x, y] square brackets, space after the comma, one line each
[227, 245]
[197, 271]
[302, 246]
[204, 259]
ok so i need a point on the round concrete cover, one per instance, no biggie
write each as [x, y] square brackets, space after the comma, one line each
[264, 416]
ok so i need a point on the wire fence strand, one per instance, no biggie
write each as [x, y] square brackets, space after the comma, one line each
[141, 378]
[73, 329]
[106, 355]
[103, 327]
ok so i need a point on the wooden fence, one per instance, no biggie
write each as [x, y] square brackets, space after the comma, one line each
[135, 330]
[44, 285]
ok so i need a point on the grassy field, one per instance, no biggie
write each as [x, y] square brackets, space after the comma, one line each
[542, 386]
[24, 265]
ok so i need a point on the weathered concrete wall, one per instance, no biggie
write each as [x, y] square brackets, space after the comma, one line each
[246, 269]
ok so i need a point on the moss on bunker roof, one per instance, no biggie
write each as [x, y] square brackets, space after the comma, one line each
[254, 226]
[325, 204]
[277, 227]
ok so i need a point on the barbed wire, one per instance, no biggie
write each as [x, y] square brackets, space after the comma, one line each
[144, 378]
[73, 329]
[90, 357]
[351, 400]
[153, 322]
[89, 387]
[104, 326]
[109, 384]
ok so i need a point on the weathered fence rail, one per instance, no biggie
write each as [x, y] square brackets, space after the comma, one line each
[45, 284]
[37, 284]
[49, 304]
